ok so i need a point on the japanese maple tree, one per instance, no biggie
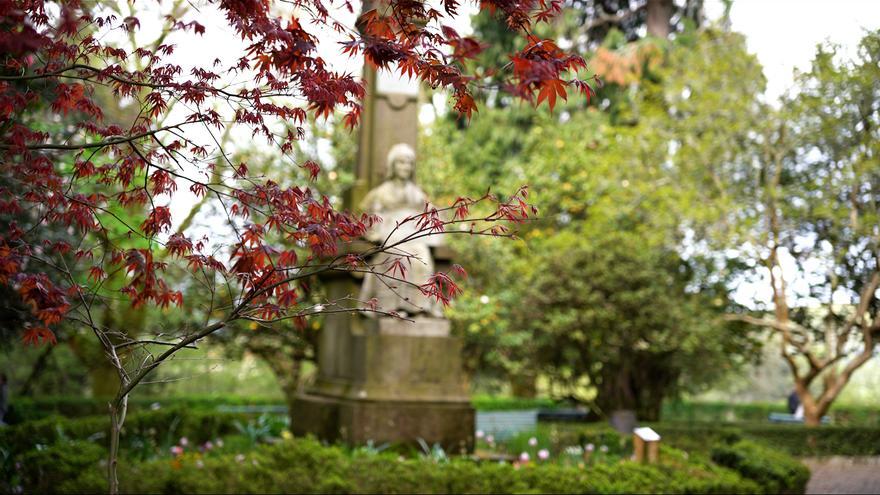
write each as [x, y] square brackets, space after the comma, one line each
[108, 185]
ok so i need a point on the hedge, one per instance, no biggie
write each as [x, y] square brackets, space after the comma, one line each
[141, 431]
[501, 403]
[771, 469]
[796, 440]
[699, 411]
[306, 466]
[29, 409]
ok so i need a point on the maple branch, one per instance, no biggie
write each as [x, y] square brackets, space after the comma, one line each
[98, 144]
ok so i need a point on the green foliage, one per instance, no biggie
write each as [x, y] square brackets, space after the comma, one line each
[483, 402]
[801, 204]
[65, 467]
[35, 408]
[605, 291]
[772, 470]
[38, 408]
[724, 412]
[797, 440]
[143, 433]
[306, 466]
[262, 428]
[701, 437]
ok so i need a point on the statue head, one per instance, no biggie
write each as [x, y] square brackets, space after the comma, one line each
[401, 162]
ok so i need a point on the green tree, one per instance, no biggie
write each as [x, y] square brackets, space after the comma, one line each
[812, 225]
[612, 287]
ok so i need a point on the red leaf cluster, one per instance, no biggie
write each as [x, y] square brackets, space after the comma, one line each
[106, 186]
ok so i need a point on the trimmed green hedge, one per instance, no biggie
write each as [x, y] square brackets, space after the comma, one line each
[498, 403]
[771, 469]
[29, 409]
[796, 440]
[141, 431]
[840, 414]
[306, 466]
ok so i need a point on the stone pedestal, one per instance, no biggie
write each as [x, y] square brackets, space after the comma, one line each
[386, 380]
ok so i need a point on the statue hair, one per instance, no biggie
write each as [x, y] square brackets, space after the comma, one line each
[397, 151]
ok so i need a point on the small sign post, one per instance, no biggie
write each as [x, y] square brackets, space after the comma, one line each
[646, 441]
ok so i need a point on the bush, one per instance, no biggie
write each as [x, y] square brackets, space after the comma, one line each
[67, 467]
[306, 466]
[31, 409]
[498, 403]
[819, 441]
[141, 432]
[776, 472]
[796, 440]
[840, 414]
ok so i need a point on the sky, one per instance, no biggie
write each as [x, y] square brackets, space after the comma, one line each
[784, 33]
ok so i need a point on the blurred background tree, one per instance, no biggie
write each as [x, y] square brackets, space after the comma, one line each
[612, 297]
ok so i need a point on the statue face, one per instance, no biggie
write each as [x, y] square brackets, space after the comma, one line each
[402, 167]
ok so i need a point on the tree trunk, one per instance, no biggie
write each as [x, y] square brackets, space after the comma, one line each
[103, 375]
[118, 409]
[812, 417]
[104, 380]
[813, 410]
[524, 385]
[659, 18]
[36, 371]
[287, 369]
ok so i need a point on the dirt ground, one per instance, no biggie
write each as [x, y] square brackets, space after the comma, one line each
[844, 475]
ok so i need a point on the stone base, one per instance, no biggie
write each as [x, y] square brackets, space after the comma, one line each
[355, 422]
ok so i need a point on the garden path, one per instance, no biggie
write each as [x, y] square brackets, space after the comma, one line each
[844, 475]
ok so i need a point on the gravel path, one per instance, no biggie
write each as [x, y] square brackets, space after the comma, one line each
[844, 475]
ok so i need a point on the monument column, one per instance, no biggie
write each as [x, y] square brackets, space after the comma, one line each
[390, 116]
[385, 379]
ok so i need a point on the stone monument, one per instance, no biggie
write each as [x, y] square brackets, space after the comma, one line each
[384, 378]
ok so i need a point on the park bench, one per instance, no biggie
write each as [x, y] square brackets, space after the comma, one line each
[505, 424]
[563, 415]
[791, 418]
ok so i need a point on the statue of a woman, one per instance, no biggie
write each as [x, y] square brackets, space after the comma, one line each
[395, 200]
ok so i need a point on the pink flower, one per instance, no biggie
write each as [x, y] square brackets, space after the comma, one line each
[524, 457]
[533, 442]
[177, 450]
[543, 454]
[209, 445]
[480, 434]
[490, 439]
[183, 441]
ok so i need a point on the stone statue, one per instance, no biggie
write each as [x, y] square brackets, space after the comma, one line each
[395, 200]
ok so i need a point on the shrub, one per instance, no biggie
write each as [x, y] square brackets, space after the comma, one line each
[306, 466]
[67, 467]
[775, 471]
[31, 409]
[796, 440]
[142, 432]
[841, 414]
[498, 403]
